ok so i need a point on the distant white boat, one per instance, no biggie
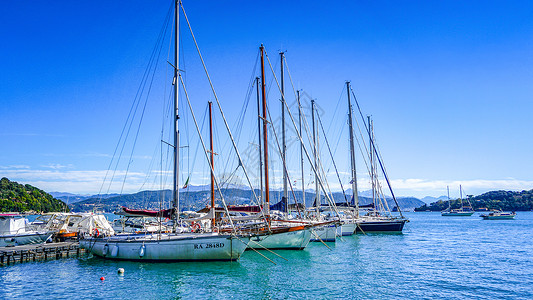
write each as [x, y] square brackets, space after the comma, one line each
[498, 215]
[15, 231]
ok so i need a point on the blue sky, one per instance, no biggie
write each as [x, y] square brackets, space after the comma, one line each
[447, 83]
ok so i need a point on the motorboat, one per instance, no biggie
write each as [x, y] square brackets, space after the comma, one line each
[498, 215]
[15, 230]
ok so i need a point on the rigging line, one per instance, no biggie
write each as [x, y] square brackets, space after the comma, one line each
[332, 159]
[165, 117]
[159, 45]
[338, 141]
[167, 160]
[306, 125]
[301, 140]
[336, 109]
[218, 144]
[136, 100]
[142, 114]
[220, 109]
[152, 161]
[150, 166]
[205, 151]
[377, 181]
[248, 96]
[379, 160]
[198, 142]
[240, 121]
[321, 168]
[364, 153]
[284, 164]
[331, 124]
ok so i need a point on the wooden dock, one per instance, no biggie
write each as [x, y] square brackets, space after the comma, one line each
[26, 253]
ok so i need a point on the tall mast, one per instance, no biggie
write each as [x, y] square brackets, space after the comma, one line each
[259, 136]
[449, 201]
[284, 147]
[461, 196]
[315, 152]
[175, 188]
[265, 132]
[212, 165]
[301, 147]
[352, 153]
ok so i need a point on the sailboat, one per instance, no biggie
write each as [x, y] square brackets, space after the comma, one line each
[280, 229]
[326, 232]
[180, 244]
[274, 234]
[377, 217]
[463, 211]
[349, 223]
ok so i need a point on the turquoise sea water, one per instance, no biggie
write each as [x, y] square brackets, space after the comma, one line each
[435, 257]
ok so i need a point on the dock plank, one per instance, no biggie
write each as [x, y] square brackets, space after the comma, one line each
[37, 252]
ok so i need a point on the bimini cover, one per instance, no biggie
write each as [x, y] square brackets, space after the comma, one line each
[12, 225]
[89, 223]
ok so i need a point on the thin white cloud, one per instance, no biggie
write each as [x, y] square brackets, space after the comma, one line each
[14, 167]
[82, 182]
[57, 166]
[32, 134]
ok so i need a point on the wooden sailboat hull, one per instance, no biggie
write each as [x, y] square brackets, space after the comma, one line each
[168, 247]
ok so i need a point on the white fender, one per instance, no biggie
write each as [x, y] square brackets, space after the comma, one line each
[105, 250]
[114, 251]
[142, 250]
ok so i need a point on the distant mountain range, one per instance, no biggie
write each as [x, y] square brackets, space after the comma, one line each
[73, 198]
[429, 199]
[197, 197]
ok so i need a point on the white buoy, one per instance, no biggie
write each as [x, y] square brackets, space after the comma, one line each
[120, 271]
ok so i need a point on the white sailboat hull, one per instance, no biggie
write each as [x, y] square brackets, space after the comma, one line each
[291, 240]
[325, 233]
[346, 229]
[168, 247]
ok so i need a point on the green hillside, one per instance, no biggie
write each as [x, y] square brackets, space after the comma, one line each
[504, 200]
[15, 197]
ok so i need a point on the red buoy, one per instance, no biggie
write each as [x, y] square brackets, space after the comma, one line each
[102, 278]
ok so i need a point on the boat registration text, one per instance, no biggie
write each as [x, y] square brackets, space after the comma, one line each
[208, 245]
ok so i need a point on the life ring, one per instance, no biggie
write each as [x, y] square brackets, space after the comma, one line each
[96, 232]
[195, 227]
